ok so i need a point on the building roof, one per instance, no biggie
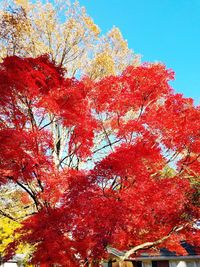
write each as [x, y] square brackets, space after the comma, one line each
[163, 254]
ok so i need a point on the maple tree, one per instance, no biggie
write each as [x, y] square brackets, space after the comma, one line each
[108, 163]
[69, 35]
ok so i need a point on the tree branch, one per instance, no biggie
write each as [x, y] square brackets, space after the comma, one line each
[30, 194]
[7, 215]
[153, 243]
[112, 143]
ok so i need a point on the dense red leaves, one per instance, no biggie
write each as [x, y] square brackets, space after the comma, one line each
[134, 180]
[135, 87]
[140, 160]
[39, 76]
[21, 155]
[108, 163]
[36, 85]
[180, 127]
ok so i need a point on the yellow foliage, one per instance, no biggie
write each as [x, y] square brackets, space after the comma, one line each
[65, 31]
[15, 204]
[115, 35]
[7, 235]
[101, 66]
[93, 27]
[112, 55]
[22, 3]
[7, 228]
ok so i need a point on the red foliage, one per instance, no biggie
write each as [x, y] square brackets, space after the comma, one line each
[108, 163]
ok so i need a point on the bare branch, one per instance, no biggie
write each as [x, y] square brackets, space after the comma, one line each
[3, 213]
[154, 243]
[111, 143]
[30, 194]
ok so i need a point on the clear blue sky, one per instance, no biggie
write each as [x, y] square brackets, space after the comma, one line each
[159, 30]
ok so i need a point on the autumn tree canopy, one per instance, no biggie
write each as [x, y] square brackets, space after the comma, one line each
[109, 159]
[65, 31]
[113, 162]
